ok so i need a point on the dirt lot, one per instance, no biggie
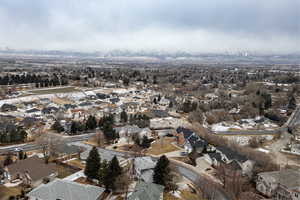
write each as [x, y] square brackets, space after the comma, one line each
[162, 146]
[6, 192]
[64, 171]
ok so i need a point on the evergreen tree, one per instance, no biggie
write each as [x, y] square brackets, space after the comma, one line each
[124, 116]
[8, 160]
[92, 164]
[57, 127]
[114, 171]
[171, 104]
[21, 155]
[162, 173]
[145, 142]
[103, 171]
[91, 123]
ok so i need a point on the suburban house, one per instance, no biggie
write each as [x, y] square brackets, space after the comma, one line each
[104, 155]
[147, 191]
[133, 130]
[144, 167]
[281, 185]
[66, 190]
[8, 107]
[190, 140]
[31, 171]
[231, 158]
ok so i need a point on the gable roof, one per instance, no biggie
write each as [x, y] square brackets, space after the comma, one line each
[289, 178]
[36, 168]
[232, 155]
[146, 191]
[143, 163]
[66, 190]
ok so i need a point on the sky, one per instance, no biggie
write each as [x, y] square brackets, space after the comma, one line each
[194, 26]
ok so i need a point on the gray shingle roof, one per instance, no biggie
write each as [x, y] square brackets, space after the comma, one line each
[146, 191]
[66, 190]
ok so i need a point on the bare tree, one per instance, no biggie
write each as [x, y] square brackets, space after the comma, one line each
[49, 145]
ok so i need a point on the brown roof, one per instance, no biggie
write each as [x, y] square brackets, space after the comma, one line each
[36, 168]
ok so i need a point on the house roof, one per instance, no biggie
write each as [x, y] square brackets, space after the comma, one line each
[36, 168]
[288, 178]
[143, 163]
[146, 191]
[66, 190]
[232, 155]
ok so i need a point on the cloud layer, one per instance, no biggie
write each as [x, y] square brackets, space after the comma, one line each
[269, 26]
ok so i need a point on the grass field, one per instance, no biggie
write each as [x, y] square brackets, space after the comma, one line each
[64, 171]
[53, 90]
[161, 147]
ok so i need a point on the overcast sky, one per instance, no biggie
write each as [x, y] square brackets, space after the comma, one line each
[267, 26]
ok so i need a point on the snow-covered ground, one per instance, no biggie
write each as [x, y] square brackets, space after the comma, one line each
[245, 124]
[244, 140]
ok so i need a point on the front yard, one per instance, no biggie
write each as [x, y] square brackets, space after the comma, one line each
[162, 146]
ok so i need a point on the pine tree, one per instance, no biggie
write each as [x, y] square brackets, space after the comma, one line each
[57, 127]
[124, 116]
[103, 171]
[113, 172]
[92, 164]
[162, 174]
[91, 123]
[21, 155]
[145, 142]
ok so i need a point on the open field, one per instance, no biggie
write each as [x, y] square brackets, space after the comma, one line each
[162, 146]
[53, 90]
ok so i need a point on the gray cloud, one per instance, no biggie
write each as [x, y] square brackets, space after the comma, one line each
[170, 25]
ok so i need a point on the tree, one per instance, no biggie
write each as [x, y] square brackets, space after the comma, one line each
[171, 104]
[8, 160]
[92, 164]
[114, 171]
[145, 142]
[124, 116]
[57, 127]
[21, 155]
[162, 173]
[103, 171]
[91, 123]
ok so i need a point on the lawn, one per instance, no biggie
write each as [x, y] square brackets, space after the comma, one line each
[76, 163]
[64, 171]
[162, 146]
[6, 192]
[54, 90]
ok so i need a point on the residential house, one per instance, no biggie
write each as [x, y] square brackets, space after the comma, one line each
[147, 191]
[104, 154]
[144, 168]
[8, 107]
[224, 155]
[190, 140]
[281, 185]
[32, 170]
[66, 190]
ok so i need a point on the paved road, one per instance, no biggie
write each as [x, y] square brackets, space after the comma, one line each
[34, 146]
